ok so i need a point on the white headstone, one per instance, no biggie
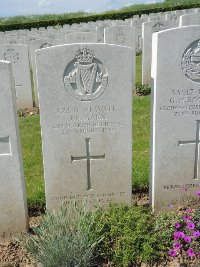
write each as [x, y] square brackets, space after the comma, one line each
[13, 206]
[85, 107]
[35, 45]
[148, 28]
[18, 56]
[189, 19]
[81, 37]
[122, 35]
[176, 117]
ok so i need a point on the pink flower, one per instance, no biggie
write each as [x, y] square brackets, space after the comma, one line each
[188, 210]
[191, 225]
[177, 225]
[196, 234]
[198, 254]
[178, 235]
[172, 253]
[177, 245]
[188, 239]
[197, 193]
[187, 218]
[190, 252]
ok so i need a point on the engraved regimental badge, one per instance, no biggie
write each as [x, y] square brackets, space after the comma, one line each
[191, 62]
[158, 27]
[12, 56]
[120, 38]
[85, 77]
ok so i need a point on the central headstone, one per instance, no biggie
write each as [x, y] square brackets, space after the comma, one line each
[85, 101]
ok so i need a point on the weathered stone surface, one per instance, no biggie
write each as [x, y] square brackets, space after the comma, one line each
[175, 134]
[189, 19]
[148, 28]
[85, 106]
[18, 56]
[122, 35]
[35, 45]
[81, 37]
[13, 207]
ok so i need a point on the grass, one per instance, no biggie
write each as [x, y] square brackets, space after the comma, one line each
[138, 69]
[141, 141]
[32, 148]
[32, 158]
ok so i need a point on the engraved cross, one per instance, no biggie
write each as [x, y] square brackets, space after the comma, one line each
[88, 158]
[196, 143]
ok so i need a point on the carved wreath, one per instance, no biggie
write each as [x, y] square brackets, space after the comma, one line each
[190, 69]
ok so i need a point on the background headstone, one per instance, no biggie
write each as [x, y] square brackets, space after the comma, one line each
[35, 45]
[189, 19]
[148, 28]
[13, 206]
[81, 37]
[18, 56]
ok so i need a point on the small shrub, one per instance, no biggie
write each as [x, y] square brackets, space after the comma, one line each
[142, 89]
[128, 237]
[66, 238]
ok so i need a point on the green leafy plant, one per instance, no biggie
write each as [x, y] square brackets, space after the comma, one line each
[128, 237]
[67, 237]
[142, 89]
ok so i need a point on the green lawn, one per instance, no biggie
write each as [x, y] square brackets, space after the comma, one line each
[32, 148]
[138, 77]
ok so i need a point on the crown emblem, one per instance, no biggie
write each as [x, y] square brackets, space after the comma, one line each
[84, 55]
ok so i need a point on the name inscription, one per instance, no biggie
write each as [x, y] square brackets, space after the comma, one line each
[90, 119]
[184, 102]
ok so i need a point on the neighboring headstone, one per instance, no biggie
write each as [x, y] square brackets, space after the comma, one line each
[12, 40]
[189, 19]
[81, 37]
[172, 17]
[18, 56]
[122, 35]
[35, 45]
[175, 124]
[148, 28]
[137, 24]
[13, 206]
[85, 109]
[156, 16]
[100, 34]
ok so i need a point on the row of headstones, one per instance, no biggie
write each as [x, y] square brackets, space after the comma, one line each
[127, 33]
[85, 94]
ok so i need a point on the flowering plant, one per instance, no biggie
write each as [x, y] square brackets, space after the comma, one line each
[186, 237]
